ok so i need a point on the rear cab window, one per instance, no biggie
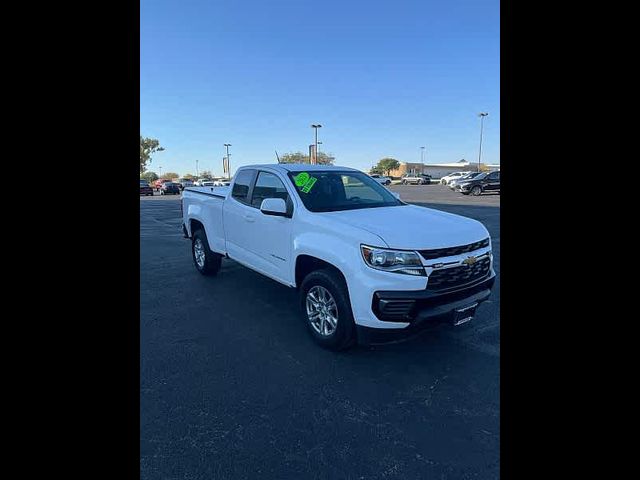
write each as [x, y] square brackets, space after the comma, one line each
[242, 185]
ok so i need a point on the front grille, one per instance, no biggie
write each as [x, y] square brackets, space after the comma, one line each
[451, 251]
[442, 279]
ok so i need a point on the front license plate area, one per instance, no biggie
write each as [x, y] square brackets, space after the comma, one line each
[464, 314]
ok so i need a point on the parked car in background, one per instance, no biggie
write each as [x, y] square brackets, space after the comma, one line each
[452, 176]
[169, 188]
[485, 182]
[453, 183]
[145, 188]
[207, 183]
[381, 179]
[185, 182]
[221, 182]
[416, 179]
[158, 183]
[199, 182]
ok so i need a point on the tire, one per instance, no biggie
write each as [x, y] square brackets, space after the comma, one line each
[211, 262]
[343, 335]
[404, 182]
[443, 182]
[475, 191]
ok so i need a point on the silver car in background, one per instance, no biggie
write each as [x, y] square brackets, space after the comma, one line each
[382, 180]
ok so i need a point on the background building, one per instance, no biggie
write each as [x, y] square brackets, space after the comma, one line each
[436, 170]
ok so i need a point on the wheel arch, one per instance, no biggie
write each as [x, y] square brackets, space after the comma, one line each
[306, 263]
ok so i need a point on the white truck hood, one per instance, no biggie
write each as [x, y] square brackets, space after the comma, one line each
[411, 227]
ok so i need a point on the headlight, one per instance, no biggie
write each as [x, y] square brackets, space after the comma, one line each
[395, 261]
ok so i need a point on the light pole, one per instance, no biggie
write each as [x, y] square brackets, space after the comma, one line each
[422, 158]
[197, 168]
[315, 160]
[481, 115]
[160, 168]
[228, 161]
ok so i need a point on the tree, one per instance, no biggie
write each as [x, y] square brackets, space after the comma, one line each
[170, 175]
[324, 159]
[149, 176]
[295, 157]
[206, 174]
[188, 176]
[299, 157]
[388, 164]
[377, 170]
[148, 146]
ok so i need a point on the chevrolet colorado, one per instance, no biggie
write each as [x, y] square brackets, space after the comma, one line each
[369, 267]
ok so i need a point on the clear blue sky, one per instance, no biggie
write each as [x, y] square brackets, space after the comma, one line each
[382, 77]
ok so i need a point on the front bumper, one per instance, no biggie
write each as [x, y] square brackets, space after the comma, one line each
[420, 309]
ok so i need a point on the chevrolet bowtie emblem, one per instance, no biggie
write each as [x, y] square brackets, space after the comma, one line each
[469, 261]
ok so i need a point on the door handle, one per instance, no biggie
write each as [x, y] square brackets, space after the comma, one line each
[249, 218]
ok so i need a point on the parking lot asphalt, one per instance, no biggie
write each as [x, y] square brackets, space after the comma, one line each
[232, 386]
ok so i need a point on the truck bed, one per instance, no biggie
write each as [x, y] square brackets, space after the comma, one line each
[204, 204]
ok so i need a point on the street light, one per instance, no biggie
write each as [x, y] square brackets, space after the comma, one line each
[196, 168]
[315, 160]
[228, 162]
[422, 157]
[481, 115]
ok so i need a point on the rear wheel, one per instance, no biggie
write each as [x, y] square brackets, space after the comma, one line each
[206, 261]
[324, 300]
[475, 191]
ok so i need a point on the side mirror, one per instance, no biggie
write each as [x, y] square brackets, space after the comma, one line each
[395, 194]
[274, 206]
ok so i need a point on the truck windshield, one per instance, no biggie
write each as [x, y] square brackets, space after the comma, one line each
[330, 191]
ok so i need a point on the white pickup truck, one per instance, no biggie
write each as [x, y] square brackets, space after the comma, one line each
[369, 267]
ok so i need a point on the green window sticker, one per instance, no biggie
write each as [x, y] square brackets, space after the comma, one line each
[301, 179]
[305, 182]
[307, 187]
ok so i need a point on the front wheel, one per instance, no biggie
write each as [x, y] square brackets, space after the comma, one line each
[206, 261]
[324, 300]
[475, 191]
[404, 182]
